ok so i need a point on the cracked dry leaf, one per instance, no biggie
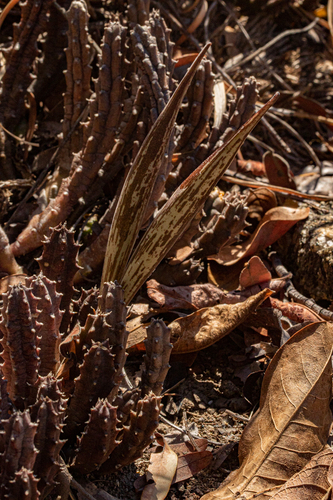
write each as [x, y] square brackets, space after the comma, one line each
[208, 325]
[311, 483]
[161, 470]
[274, 224]
[293, 420]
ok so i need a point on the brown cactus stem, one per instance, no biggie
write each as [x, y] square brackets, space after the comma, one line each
[58, 263]
[7, 259]
[111, 303]
[156, 359]
[138, 11]
[95, 381]
[19, 60]
[48, 442]
[20, 329]
[153, 51]
[126, 403]
[51, 388]
[137, 436]
[241, 109]
[98, 439]
[108, 324]
[198, 109]
[222, 228]
[52, 63]
[50, 318]
[19, 451]
[85, 305]
[6, 406]
[24, 485]
[78, 90]
[106, 112]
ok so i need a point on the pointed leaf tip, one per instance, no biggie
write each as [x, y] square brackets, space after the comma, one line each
[140, 182]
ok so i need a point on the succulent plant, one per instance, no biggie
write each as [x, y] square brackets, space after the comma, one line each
[62, 375]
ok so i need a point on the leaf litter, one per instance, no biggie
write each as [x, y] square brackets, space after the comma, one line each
[250, 352]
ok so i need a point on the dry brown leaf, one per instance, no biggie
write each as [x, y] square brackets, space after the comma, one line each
[184, 297]
[311, 483]
[295, 312]
[161, 470]
[192, 463]
[274, 224]
[293, 420]
[254, 272]
[208, 325]
[278, 170]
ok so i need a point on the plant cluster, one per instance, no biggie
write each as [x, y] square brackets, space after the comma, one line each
[147, 173]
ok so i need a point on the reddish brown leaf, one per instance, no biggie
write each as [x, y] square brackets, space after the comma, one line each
[278, 170]
[295, 312]
[190, 464]
[192, 297]
[274, 224]
[256, 168]
[254, 272]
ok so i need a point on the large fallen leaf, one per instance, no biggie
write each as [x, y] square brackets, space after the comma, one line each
[184, 297]
[293, 420]
[179, 210]
[161, 470]
[274, 224]
[311, 483]
[208, 325]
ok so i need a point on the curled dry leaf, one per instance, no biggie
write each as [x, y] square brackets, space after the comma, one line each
[295, 312]
[274, 224]
[161, 470]
[311, 483]
[208, 325]
[293, 420]
[278, 170]
[254, 272]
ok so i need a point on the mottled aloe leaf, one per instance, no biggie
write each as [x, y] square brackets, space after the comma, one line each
[177, 213]
[139, 183]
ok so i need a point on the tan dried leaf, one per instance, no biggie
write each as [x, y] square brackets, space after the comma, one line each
[311, 483]
[293, 420]
[208, 325]
[161, 470]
